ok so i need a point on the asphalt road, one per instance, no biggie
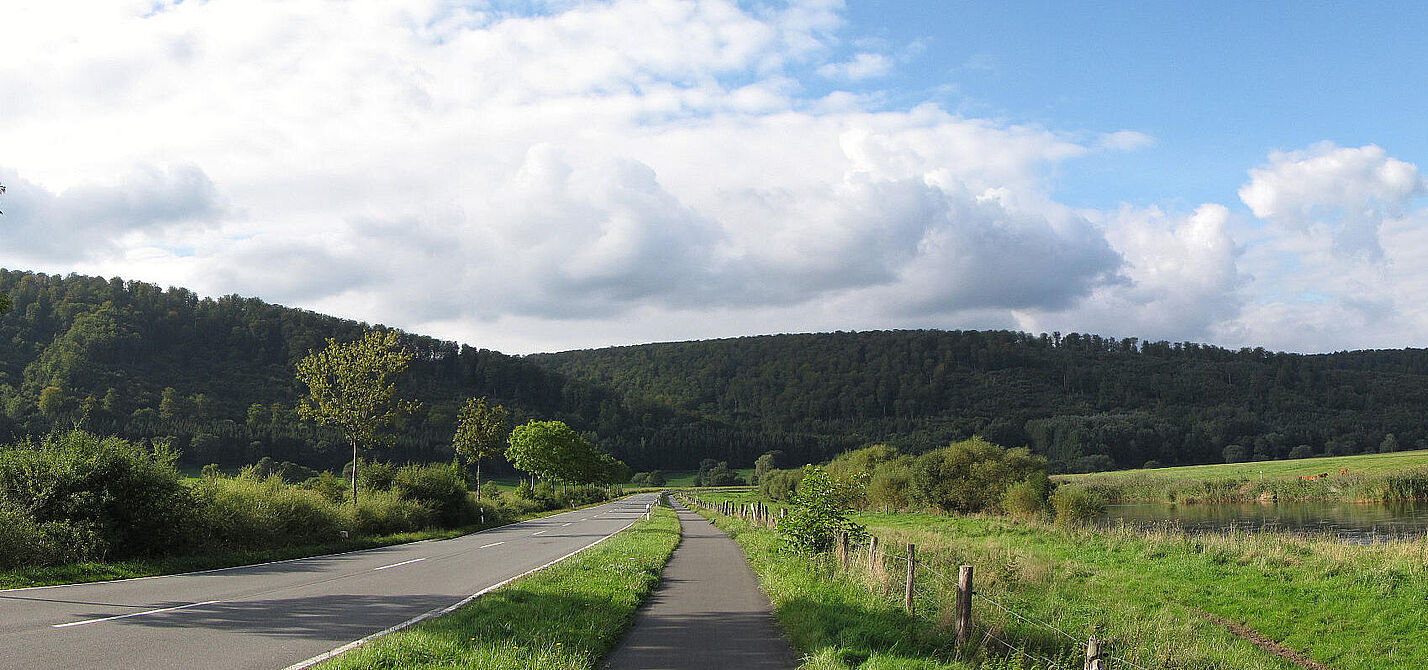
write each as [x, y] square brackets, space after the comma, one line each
[280, 614]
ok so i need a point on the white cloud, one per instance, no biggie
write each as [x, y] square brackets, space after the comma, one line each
[1340, 192]
[629, 171]
[862, 66]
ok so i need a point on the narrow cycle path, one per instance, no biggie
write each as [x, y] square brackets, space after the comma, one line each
[708, 612]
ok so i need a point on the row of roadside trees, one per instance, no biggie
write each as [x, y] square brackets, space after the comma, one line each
[351, 388]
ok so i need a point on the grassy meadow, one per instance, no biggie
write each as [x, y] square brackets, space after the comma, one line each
[1162, 599]
[566, 617]
[1370, 477]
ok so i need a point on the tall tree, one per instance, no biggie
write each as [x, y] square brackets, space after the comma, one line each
[481, 432]
[350, 387]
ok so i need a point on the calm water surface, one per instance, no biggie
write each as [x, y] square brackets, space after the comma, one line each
[1352, 522]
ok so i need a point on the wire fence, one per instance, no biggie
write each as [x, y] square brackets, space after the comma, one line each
[996, 624]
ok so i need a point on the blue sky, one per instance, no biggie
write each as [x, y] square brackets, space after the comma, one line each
[1218, 85]
[544, 175]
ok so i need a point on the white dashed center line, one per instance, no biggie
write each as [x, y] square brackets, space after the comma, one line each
[126, 616]
[490, 545]
[414, 560]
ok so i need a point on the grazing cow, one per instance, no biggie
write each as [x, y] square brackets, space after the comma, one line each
[1323, 474]
[1343, 471]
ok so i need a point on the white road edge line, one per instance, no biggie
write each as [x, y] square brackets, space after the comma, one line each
[414, 560]
[286, 560]
[133, 614]
[491, 545]
[300, 665]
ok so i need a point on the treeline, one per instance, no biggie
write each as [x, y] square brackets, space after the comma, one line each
[215, 378]
[1084, 402]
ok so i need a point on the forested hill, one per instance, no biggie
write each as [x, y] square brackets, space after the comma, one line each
[217, 377]
[1084, 401]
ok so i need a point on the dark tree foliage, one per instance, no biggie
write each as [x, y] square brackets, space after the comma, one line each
[1082, 401]
[216, 376]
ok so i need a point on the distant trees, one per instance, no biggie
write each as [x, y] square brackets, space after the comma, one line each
[765, 464]
[716, 473]
[972, 475]
[350, 387]
[481, 432]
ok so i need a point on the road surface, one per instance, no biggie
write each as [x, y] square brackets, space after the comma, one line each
[280, 614]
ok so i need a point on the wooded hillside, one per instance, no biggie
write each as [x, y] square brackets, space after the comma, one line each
[1084, 401]
[217, 377]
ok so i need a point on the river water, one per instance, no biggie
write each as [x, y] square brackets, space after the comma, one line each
[1356, 523]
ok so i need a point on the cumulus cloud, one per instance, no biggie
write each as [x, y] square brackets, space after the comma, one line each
[541, 180]
[96, 218]
[862, 66]
[1342, 193]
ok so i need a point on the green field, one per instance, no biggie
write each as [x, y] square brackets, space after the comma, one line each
[565, 617]
[1369, 477]
[1161, 599]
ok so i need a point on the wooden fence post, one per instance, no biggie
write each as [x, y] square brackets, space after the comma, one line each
[872, 552]
[1093, 655]
[911, 573]
[964, 604]
[843, 550]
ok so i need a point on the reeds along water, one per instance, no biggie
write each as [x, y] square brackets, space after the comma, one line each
[1349, 487]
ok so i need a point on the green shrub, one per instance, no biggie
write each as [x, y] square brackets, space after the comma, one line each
[1022, 499]
[245, 513]
[387, 512]
[329, 486]
[780, 485]
[25, 543]
[819, 513]
[1075, 504]
[971, 475]
[441, 488]
[130, 498]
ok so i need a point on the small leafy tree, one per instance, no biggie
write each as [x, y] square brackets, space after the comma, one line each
[349, 387]
[481, 432]
[820, 511]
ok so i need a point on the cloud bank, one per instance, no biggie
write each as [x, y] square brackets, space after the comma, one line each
[596, 173]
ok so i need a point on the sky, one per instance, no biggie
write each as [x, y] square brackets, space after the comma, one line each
[550, 175]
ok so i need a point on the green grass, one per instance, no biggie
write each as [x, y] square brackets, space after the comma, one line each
[565, 617]
[1350, 607]
[1370, 477]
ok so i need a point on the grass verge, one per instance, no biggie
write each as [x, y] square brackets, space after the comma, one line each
[565, 617]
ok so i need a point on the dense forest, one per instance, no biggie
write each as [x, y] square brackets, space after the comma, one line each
[215, 377]
[1083, 401]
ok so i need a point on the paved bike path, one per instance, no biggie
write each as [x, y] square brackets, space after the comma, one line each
[708, 612]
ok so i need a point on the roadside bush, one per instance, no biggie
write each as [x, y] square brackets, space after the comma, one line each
[118, 498]
[27, 543]
[329, 486]
[576, 496]
[376, 475]
[246, 513]
[387, 512]
[1075, 504]
[441, 488]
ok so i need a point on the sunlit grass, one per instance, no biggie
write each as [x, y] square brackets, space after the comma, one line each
[565, 617]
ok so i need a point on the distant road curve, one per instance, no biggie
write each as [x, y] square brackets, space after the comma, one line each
[279, 614]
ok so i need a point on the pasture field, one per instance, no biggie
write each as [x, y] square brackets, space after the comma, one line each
[1399, 475]
[1162, 599]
